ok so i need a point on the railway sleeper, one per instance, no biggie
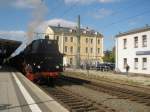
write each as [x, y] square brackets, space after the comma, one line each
[94, 109]
[102, 108]
[64, 96]
[146, 97]
[148, 104]
[132, 98]
[76, 103]
[83, 110]
[68, 101]
[81, 106]
[58, 94]
[138, 94]
[143, 100]
[78, 110]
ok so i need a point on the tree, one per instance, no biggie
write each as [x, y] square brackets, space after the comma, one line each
[109, 56]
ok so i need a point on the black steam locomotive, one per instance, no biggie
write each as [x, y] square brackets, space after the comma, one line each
[40, 60]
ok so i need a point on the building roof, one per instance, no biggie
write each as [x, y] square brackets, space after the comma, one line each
[73, 31]
[9, 46]
[133, 31]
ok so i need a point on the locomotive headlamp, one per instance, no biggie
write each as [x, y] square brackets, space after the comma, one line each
[38, 66]
[57, 67]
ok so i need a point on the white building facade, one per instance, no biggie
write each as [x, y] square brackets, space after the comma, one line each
[133, 48]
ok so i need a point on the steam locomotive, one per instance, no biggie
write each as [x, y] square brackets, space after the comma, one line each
[40, 61]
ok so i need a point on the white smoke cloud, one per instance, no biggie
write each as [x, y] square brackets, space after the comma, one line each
[37, 9]
[55, 22]
[38, 14]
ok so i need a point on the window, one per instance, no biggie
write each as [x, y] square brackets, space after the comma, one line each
[135, 42]
[66, 39]
[98, 41]
[71, 49]
[91, 50]
[124, 43]
[144, 41]
[86, 40]
[124, 62]
[91, 41]
[71, 60]
[65, 48]
[71, 39]
[86, 50]
[98, 50]
[144, 63]
[136, 63]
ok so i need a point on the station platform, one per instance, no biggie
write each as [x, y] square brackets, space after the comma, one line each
[18, 94]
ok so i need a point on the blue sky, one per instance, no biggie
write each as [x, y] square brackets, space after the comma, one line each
[106, 16]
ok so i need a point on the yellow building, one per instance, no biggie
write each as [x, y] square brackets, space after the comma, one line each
[91, 44]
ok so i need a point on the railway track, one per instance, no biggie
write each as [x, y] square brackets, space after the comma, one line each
[75, 102]
[120, 92]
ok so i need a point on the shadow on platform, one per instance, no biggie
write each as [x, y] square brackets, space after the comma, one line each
[6, 68]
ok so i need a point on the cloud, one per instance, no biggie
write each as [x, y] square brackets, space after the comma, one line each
[13, 35]
[101, 13]
[27, 3]
[88, 1]
[135, 21]
[20, 3]
[106, 1]
[55, 22]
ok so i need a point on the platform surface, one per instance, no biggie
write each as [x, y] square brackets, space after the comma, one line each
[18, 94]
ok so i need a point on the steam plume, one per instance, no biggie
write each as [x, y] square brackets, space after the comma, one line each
[38, 13]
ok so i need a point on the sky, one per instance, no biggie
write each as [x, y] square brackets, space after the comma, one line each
[108, 17]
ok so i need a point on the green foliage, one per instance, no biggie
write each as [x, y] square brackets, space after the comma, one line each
[109, 56]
